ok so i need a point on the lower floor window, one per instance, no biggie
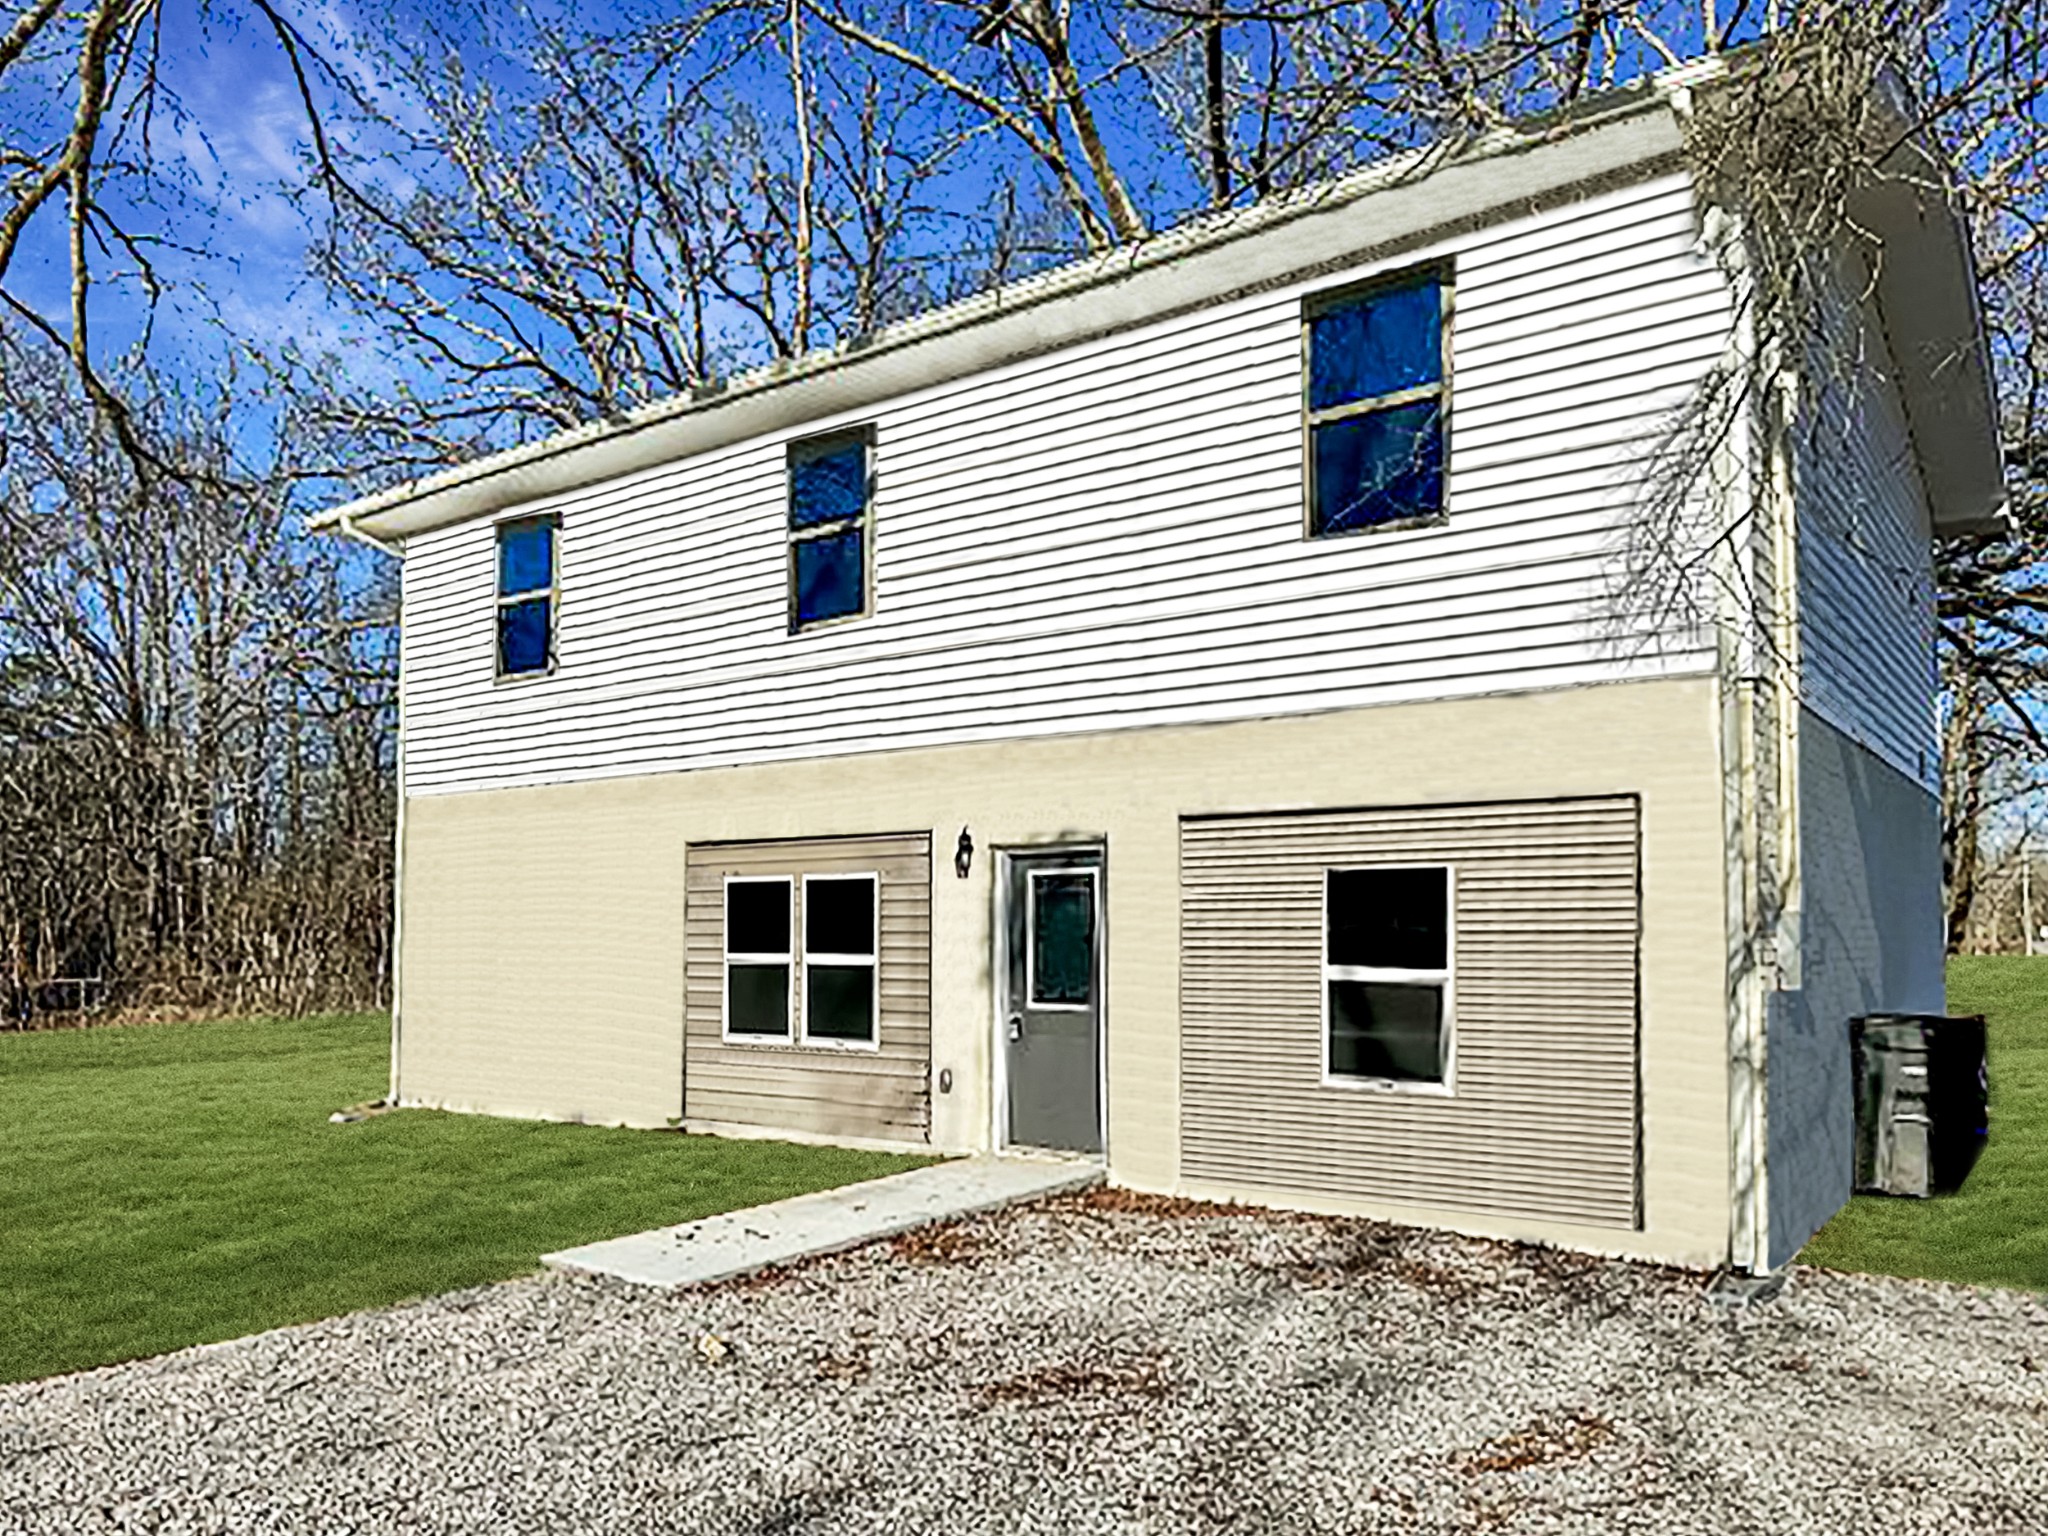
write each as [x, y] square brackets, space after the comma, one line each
[840, 923]
[801, 958]
[1387, 973]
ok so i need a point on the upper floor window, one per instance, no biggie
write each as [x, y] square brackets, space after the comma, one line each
[831, 523]
[526, 595]
[1376, 399]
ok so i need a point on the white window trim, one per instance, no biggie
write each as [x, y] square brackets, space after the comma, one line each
[1033, 876]
[501, 600]
[1443, 978]
[748, 957]
[872, 960]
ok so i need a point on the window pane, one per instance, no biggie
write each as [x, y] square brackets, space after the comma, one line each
[1376, 345]
[1383, 1029]
[526, 556]
[523, 636]
[1380, 467]
[824, 487]
[1392, 919]
[839, 917]
[757, 1000]
[757, 917]
[839, 1002]
[1062, 938]
[829, 577]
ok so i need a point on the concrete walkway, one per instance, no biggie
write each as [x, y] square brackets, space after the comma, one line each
[741, 1242]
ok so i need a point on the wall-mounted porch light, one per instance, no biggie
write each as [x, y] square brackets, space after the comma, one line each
[963, 855]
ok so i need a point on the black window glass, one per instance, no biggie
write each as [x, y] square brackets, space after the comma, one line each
[1389, 919]
[1387, 1030]
[1379, 467]
[1377, 344]
[523, 636]
[827, 486]
[830, 580]
[839, 917]
[839, 1002]
[757, 917]
[1062, 938]
[757, 999]
[526, 556]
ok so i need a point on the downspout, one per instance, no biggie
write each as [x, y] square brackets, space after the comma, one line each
[1743, 483]
[349, 529]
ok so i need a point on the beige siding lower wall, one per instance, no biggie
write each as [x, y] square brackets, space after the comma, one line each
[542, 970]
[1541, 1014]
[829, 1090]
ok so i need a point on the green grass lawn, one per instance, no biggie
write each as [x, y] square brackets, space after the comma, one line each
[165, 1186]
[1995, 1230]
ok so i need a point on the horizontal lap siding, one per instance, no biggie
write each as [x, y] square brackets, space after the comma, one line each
[1865, 560]
[1543, 1121]
[1109, 535]
[882, 1093]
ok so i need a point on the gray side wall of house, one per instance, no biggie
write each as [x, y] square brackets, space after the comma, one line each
[1871, 942]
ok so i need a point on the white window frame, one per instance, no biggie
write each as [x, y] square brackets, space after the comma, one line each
[1032, 877]
[786, 960]
[1443, 979]
[872, 960]
[552, 592]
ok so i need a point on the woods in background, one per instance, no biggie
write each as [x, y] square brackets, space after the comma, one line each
[196, 774]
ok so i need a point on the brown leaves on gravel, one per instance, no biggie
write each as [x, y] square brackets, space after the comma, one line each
[1574, 1436]
[952, 1243]
[1133, 1376]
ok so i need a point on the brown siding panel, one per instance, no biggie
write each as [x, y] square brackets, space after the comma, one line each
[883, 1093]
[1544, 1119]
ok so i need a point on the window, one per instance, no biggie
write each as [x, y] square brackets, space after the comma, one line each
[526, 596]
[839, 958]
[1387, 974]
[758, 966]
[830, 527]
[1059, 945]
[1375, 405]
[831, 968]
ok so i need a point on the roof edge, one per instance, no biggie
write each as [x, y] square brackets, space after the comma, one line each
[1415, 198]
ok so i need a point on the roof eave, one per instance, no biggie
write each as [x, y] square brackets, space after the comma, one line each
[1376, 214]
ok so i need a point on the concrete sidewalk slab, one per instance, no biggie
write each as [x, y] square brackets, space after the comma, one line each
[741, 1242]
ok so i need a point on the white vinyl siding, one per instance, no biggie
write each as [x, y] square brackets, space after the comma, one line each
[1109, 535]
[1865, 564]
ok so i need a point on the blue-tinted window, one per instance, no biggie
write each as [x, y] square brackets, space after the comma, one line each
[1380, 344]
[1379, 467]
[831, 577]
[523, 636]
[830, 515]
[526, 556]
[526, 585]
[1375, 400]
[828, 486]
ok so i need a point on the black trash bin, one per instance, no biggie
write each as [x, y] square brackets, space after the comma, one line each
[1922, 1098]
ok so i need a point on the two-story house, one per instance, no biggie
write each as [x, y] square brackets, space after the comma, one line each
[1181, 708]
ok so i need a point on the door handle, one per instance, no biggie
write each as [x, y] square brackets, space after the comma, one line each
[1016, 1026]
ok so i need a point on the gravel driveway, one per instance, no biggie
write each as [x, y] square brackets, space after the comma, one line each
[1099, 1363]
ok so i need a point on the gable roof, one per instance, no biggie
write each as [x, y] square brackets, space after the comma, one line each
[1392, 205]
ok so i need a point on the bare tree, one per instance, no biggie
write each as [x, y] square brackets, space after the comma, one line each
[195, 715]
